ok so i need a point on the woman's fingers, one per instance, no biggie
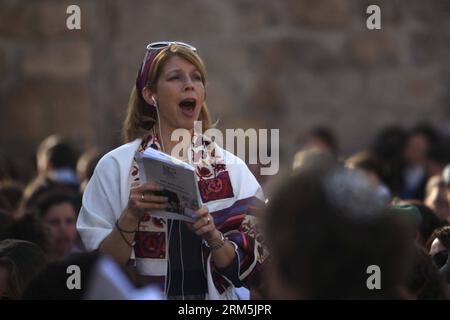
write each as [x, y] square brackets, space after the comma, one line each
[142, 198]
[203, 217]
[152, 206]
[148, 187]
[147, 197]
[203, 211]
[143, 206]
[190, 226]
[209, 228]
[146, 193]
[153, 198]
[202, 221]
[204, 225]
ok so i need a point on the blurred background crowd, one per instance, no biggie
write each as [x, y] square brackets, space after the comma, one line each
[370, 107]
[406, 169]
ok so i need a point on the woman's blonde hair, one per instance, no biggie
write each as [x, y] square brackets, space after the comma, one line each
[141, 117]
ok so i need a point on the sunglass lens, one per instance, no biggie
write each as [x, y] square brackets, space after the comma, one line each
[157, 45]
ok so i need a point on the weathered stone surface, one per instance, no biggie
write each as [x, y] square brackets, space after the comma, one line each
[320, 13]
[37, 109]
[43, 20]
[17, 20]
[64, 61]
[373, 48]
[281, 64]
[3, 60]
[254, 19]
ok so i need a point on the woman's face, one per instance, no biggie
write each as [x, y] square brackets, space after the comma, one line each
[416, 149]
[180, 94]
[61, 221]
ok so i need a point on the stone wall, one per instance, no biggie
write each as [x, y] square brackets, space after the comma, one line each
[287, 64]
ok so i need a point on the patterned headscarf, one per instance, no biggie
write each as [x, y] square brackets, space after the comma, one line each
[141, 78]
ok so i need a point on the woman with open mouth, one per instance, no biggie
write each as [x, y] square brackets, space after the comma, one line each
[222, 249]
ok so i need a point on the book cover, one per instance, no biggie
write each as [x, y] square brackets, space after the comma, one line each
[178, 180]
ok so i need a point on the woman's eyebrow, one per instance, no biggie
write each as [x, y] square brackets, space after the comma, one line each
[173, 70]
[180, 70]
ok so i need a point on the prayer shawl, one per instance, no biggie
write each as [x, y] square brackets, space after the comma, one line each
[227, 188]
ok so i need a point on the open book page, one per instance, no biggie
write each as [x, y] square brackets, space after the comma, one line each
[178, 180]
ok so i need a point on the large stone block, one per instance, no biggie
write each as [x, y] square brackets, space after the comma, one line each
[17, 20]
[266, 95]
[434, 13]
[374, 48]
[3, 60]
[169, 20]
[46, 20]
[72, 60]
[37, 109]
[254, 19]
[320, 13]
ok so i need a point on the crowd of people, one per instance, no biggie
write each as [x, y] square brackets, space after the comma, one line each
[314, 234]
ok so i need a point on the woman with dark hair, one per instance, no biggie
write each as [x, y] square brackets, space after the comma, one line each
[20, 261]
[58, 211]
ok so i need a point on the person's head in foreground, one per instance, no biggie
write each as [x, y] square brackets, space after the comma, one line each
[439, 244]
[424, 281]
[334, 239]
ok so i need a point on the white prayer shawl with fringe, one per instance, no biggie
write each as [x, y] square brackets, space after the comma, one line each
[106, 197]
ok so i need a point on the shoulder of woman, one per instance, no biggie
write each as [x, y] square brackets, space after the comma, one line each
[115, 157]
[229, 158]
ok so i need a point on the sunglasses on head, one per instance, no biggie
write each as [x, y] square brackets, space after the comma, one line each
[440, 258]
[152, 50]
[164, 44]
